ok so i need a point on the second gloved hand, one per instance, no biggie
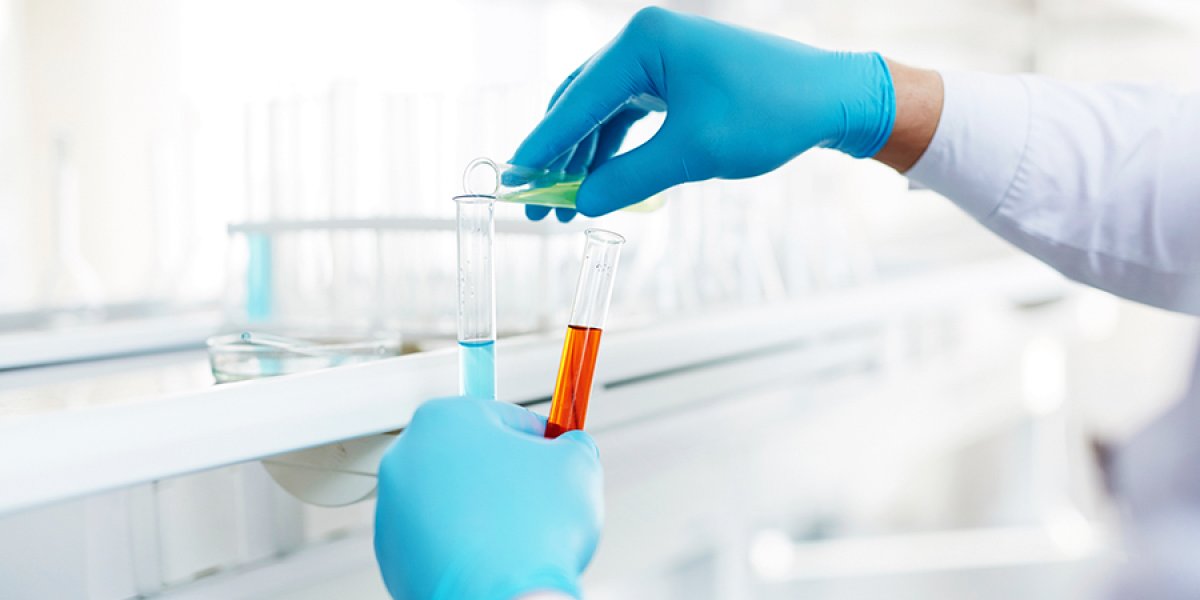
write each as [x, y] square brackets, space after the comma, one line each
[739, 103]
[475, 503]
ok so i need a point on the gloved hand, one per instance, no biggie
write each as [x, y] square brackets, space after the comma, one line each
[475, 503]
[739, 103]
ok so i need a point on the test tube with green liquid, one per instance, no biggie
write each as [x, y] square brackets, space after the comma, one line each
[523, 185]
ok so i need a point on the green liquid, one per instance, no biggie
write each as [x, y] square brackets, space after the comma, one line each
[559, 195]
[562, 195]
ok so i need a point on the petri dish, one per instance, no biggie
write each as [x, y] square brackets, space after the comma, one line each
[233, 358]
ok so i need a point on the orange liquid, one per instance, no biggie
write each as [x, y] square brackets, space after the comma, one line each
[569, 407]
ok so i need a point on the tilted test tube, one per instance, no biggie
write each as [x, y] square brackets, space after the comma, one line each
[568, 409]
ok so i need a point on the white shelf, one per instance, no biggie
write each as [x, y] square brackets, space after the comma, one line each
[51, 456]
[115, 338]
[515, 226]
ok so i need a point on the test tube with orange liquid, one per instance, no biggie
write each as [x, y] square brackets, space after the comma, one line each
[568, 409]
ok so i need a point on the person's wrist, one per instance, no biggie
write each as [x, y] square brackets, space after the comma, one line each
[919, 96]
[865, 105]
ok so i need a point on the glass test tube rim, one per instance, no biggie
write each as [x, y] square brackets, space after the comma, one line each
[475, 199]
[593, 289]
[478, 201]
[603, 236]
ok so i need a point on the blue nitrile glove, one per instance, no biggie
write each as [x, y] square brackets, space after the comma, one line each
[739, 103]
[475, 504]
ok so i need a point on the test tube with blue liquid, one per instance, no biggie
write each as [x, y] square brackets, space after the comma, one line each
[476, 297]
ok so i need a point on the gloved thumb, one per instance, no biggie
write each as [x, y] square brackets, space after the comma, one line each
[633, 176]
[577, 436]
[517, 417]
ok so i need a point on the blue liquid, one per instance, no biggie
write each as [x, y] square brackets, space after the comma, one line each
[259, 295]
[477, 369]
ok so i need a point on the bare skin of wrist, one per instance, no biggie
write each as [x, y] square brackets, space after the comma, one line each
[919, 97]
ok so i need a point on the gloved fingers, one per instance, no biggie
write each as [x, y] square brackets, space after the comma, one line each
[559, 164]
[578, 166]
[602, 87]
[564, 161]
[562, 87]
[433, 413]
[535, 212]
[634, 176]
[582, 157]
[519, 418]
[612, 134]
[441, 417]
[580, 439]
[575, 161]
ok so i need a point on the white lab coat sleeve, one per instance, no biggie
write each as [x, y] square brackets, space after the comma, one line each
[1102, 182]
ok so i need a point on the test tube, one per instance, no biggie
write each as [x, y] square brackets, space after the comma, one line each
[523, 185]
[568, 409]
[476, 297]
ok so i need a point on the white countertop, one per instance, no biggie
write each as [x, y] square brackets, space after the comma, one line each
[71, 430]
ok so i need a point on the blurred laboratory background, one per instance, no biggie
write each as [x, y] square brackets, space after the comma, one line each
[871, 396]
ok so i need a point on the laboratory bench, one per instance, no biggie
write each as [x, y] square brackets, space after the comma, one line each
[147, 417]
[92, 429]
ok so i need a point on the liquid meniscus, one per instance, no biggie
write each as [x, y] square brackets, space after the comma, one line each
[568, 409]
[477, 369]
